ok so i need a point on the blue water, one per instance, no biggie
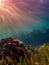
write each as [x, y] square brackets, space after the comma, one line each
[35, 17]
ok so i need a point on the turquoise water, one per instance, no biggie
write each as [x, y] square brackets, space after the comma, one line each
[24, 19]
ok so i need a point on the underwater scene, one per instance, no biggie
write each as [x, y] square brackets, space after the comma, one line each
[24, 32]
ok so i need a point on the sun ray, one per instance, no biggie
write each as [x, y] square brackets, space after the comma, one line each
[16, 14]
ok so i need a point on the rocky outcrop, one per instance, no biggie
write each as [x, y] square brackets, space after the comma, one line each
[15, 49]
[12, 47]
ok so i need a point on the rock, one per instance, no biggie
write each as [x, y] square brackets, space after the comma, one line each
[30, 49]
[13, 47]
